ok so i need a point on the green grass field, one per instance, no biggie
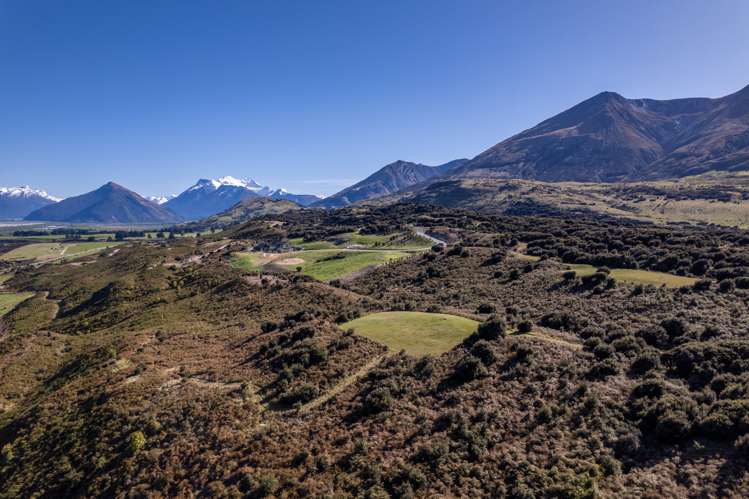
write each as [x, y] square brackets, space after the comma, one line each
[418, 333]
[5, 277]
[8, 301]
[324, 265]
[52, 251]
[249, 262]
[312, 245]
[401, 240]
[637, 276]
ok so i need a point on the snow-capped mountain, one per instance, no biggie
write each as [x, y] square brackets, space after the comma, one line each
[210, 196]
[17, 202]
[161, 199]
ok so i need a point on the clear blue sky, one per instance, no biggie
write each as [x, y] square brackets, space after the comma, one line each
[312, 95]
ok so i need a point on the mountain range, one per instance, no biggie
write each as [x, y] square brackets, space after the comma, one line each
[211, 196]
[17, 202]
[607, 138]
[113, 203]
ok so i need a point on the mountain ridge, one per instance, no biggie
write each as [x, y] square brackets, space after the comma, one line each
[389, 179]
[208, 197]
[609, 138]
[110, 203]
[17, 202]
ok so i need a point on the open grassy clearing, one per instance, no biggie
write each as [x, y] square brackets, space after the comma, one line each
[323, 265]
[418, 333]
[8, 301]
[400, 240]
[52, 251]
[5, 277]
[637, 276]
[312, 245]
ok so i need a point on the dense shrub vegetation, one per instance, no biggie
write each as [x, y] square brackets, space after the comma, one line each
[161, 370]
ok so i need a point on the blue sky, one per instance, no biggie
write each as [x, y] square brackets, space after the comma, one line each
[314, 95]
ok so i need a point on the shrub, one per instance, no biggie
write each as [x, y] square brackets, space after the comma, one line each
[672, 427]
[700, 267]
[522, 352]
[136, 442]
[560, 320]
[626, 344]
[266, 485]
[646, 361]
[603, 351]
[483, 351]
[674, 327]
[378, 400]
[610, 466]
[6, 454]
[603, 369]
[650, 389]
[493, 328]
[742, 444]
[569, 275]
[727, 286]
[469, 368]
[702, 285]
[525, 327]
[433, 452]
[595, 279]
[486, 308]
[424, 368]
[301, 394]
[716, 425]
[742, 282]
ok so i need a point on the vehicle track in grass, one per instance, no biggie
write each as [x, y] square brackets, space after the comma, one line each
[344, 383]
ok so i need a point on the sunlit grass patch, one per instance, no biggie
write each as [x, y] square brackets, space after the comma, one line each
[51, 251]
[637, 276]
[9, 301]
[418, 333]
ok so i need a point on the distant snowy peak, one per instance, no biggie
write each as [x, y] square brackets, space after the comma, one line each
[161, 199]
[25, 191]
[213, 184]
[211, 196]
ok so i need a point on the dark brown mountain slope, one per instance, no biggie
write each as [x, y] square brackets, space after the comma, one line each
[610, 138]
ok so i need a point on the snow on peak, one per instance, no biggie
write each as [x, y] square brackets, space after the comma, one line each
[236, 182]
[26, 192]
[161, 199]
[229, 181]
[210, 185]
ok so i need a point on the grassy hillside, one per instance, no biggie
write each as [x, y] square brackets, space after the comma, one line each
[715, 198]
